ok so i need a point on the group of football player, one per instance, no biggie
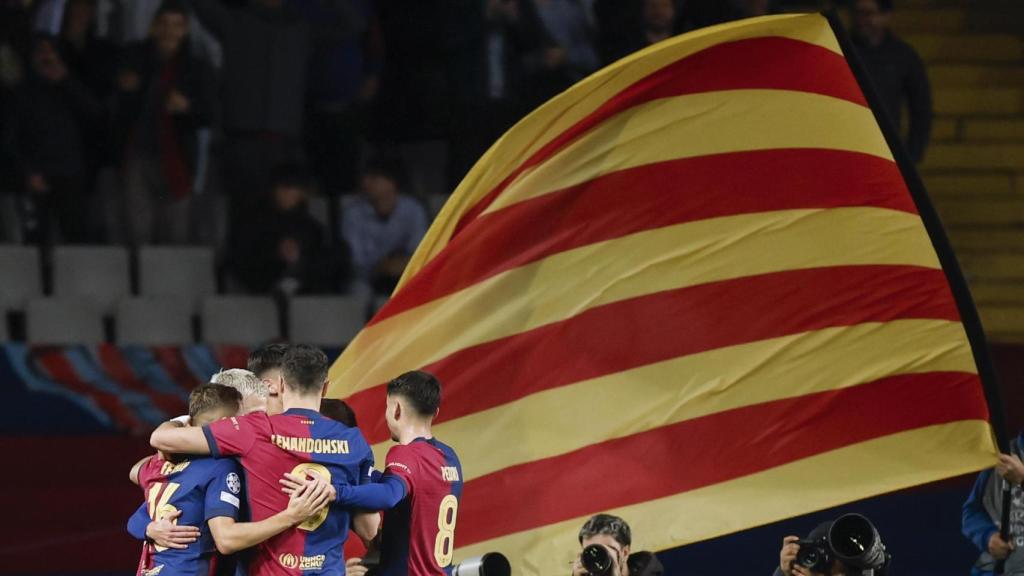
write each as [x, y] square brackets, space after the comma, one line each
[266, 477]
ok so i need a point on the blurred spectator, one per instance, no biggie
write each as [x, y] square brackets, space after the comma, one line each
[382, 229]
[344, 77]
[753, 8]
[571, 52]
[492, 59]
[15, 41]
[283, 249]
[896, 71]
[133, 19]
[88, 57]
[658, 22]
[164, 97]
[266, 47]
[51, 122]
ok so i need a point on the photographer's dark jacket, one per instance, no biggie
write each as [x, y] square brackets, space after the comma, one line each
[981, 515]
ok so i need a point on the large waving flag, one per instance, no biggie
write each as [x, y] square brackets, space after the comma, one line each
[694, 290]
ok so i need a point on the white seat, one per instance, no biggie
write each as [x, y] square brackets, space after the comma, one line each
[153, 321]
[20, 277]
[326, 321]
[240, 320]
[97, 273]
[63, 321]
[183, 272]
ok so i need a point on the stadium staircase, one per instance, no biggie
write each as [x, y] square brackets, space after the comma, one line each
[974, 168]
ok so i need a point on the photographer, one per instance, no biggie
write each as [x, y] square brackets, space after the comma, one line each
[848, 546]
[605, 550]
[983, 512]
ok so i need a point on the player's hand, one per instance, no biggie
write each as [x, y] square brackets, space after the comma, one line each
[306, 502]
[354, 568]
[999, 549]
[1011, 468]
[292, 482]
[164, 532]
[788, 554]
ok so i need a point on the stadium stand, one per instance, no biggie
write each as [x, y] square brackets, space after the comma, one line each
[97, 273]
[64, 321]
[154, 321]
[22, 277]
[306, 316]
[183, 272]
[243, 320]
[974, 169]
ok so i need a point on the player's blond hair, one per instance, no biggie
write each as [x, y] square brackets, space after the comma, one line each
[242, 380]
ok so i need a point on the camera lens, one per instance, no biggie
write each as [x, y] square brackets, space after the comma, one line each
[597, 560]
[809, 559]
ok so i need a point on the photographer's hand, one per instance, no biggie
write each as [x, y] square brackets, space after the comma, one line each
[999, 549]
[788, 554]
[1011, 468]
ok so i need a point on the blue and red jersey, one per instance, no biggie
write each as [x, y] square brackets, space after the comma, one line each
[419, 533]
[201, 489]
[297, 441]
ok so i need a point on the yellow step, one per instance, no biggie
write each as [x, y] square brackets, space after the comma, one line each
[992, 130]
[980, 75]
[1000, 239]
[975, 212]
[992, 266]
[968, 184]
[975, 157]
[997, 292]
[929, 20]
[945, 128]
[1000, 320]
[979, 101]
[968, 48]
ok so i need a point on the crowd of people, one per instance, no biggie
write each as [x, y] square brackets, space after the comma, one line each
[127, 122]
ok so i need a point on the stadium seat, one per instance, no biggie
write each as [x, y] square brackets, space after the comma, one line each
[183, 272]
[10, 223]
[153, 321]
[64, 321]
[21, 276]
[327, 321]
[240, 320]
[99, 274]
[320, 210]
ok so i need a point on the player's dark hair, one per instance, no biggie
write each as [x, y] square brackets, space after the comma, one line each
[339, 411]
[211, 397]
[607, 524]
[266, 358]
[420, 388]
[304, 368]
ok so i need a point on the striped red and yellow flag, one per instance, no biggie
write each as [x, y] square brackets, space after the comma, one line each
[693, 290]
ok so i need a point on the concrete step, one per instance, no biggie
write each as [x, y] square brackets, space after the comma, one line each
[1004, 239]
[945, 128]
[976, 212]
[977, 75]
[929, 21]
[985, 157]
[1002, 322]
[985, 266]
[997, 293]
[968, 184]
[988, 48]
[994, 130]
[979, 101]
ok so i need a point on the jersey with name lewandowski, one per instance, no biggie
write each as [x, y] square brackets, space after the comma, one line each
[296, 441]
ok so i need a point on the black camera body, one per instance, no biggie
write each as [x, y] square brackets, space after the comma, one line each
[597, 561]
[815, 555]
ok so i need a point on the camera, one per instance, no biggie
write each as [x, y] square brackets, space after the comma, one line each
[852, 540]
[856, 543]
[815, 555]
[490, 564]
[597, 560]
